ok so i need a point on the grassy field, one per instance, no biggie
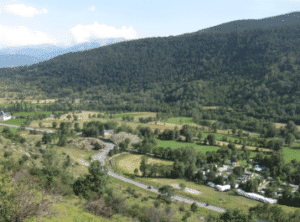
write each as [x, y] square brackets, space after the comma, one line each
[31, 113]
[17, 122]
[220, 136]
[125, 114]
[290, 154]
[175, 145]
[128, 162]
[180, 120]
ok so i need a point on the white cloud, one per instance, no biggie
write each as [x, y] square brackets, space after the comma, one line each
[20, 36]
[84, 33]
[24, 11]
[92, 8]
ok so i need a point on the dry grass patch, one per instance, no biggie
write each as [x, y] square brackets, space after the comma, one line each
[239, 146]
[128, 162]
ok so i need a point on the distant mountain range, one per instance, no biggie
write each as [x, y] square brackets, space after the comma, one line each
[27, 55]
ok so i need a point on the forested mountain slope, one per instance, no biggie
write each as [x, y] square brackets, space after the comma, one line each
[252, 68]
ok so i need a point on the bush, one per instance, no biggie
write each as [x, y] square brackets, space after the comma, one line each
[156, 204]
[42, 151]
[25, 157]
[7, 154]
[35, 156]
[194, 207]
[38, 143]
[145, 199]
[181, 207]
[186, 216]
[6, 130]
[36, 172]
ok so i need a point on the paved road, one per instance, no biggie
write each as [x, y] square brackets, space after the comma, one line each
[110, 146]
[27, 128]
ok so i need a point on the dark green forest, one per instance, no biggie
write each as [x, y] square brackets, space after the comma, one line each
[251, 68]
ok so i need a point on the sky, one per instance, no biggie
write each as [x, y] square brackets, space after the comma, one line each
[69, 22]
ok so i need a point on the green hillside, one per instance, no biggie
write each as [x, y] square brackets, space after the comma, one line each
[255, 70]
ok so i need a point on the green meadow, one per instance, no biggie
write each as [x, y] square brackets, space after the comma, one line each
[290, 154]
[175, 145]
[180, 120]
[17, 122]
[220, 136]
[126, 114]
[30, 113]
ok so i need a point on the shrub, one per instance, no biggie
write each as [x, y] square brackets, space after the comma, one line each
[25, 157]
[181, 207]
[145, 199]
[156, 204]
[7, 154]
[38, 143]
[35, 156]
[194, 207]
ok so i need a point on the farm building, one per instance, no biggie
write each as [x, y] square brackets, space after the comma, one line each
[107, 132]
[255, 196]
[223, 188]
[4, 116]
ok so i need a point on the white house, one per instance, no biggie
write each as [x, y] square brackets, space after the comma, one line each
[223, 188]
[4, 116]
[255, 196]
[257, 168]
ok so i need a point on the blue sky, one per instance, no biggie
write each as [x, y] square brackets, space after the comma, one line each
[66, 22]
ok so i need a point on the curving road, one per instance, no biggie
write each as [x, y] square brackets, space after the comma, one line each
[101, 157]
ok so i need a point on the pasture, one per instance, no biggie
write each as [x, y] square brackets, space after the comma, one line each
[290, 154]
[30, 113]
[17, 122]
[128, 162]
[175, 145]
[180, 120]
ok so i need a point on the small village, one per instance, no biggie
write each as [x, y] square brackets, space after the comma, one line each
[249, 174]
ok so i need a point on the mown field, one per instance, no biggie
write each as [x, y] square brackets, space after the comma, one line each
[179, 120]
[17, 122]
[290, 154]
[31, 113]
[129, 162]
[174, 145]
